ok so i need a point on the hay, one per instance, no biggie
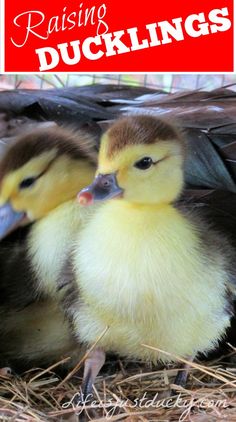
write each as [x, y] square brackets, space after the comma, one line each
[124, 391]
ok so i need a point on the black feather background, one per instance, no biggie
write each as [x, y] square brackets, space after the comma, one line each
[207, 118]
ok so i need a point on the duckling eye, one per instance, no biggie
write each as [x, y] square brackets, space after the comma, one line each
[26, 183]
[144, 163]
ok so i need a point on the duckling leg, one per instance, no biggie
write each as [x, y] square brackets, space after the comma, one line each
[92, 366]
[182, 374]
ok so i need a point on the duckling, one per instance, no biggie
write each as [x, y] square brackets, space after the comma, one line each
[40, 175]
[149, 272]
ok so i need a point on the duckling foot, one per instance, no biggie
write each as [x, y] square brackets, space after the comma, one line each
[92, 366]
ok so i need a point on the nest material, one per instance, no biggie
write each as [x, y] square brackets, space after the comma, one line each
[129, 392]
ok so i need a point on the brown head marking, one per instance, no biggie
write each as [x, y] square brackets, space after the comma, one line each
[140, 129]
[77, 145]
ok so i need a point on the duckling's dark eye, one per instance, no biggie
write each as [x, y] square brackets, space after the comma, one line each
[144, 163]
[26, 183]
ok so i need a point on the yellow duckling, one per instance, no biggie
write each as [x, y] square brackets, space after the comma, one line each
[147, 270]
[40, 175]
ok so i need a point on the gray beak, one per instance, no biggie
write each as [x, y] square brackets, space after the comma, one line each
[9, 219]
[104, 187]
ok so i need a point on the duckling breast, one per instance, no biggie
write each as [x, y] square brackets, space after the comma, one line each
[50, 242]
[142, 274]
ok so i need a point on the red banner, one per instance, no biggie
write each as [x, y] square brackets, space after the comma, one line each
[119, 36]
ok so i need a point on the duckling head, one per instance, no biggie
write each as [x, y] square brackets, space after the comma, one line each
[140, 160]
[41, 171]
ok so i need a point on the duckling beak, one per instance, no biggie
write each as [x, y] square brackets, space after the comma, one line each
[9, 219]
[104, 187]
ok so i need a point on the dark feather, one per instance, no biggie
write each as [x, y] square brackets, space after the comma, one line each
[204, 165]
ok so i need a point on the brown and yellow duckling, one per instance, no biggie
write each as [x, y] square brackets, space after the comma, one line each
[148, 271]
[40, 176]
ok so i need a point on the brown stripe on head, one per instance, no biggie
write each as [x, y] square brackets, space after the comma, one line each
[141, 129]
[75, 144]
